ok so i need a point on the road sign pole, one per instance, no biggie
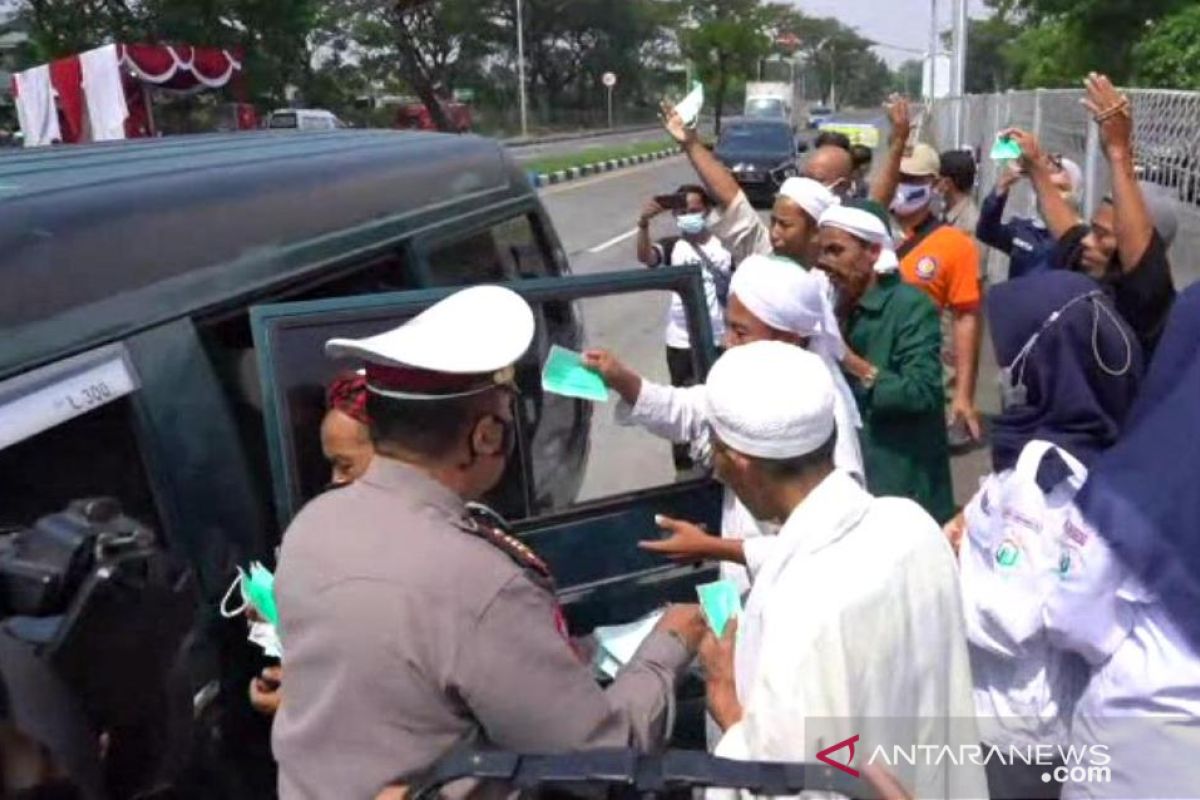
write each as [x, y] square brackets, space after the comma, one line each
[609, 79]
[521, 70]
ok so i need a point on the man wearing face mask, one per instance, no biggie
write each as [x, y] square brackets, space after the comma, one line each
[944, 263]
[424, 626]
[694, 245]
[800, 202]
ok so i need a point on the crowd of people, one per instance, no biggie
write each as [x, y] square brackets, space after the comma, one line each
[1057, 609]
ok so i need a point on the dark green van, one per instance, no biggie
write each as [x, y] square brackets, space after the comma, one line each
[163, 309]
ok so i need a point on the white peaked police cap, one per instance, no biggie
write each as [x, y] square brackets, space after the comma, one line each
[462, 345]
[770, 400]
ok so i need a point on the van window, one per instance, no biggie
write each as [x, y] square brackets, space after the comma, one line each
[92, 453]
[287, 120]
[512, 249]
[230, 347]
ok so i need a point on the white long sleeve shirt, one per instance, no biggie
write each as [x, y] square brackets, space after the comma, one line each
[854, 627]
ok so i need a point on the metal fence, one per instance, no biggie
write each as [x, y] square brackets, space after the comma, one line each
[1166, 146]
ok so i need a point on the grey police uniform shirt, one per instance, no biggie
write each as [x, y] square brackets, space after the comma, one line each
[405, 635]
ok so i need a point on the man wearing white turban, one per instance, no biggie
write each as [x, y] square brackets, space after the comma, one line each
[799, 204]
[771, 299]
[894, 342]
[853, 632]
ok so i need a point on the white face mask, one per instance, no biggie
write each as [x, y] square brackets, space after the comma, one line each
[911, 198]
[691, 224]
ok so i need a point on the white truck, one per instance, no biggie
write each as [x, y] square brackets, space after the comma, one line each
[774, 100]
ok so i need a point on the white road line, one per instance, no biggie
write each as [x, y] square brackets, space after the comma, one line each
[613, 241]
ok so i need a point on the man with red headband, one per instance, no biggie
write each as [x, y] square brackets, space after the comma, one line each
[420, 626]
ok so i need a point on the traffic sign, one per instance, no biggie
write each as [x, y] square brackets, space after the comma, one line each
[609, 79]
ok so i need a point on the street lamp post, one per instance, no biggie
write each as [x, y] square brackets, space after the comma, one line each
[521, 70]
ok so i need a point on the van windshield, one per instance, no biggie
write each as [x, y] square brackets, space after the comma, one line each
[765, 108]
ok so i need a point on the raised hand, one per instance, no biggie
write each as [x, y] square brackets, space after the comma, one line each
[1111, 110]
[899, 115]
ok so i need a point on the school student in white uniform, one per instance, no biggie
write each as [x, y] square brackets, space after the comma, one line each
[854, 625]
[1071, 370]
[1127, 593]
[771, 299]
[694, 245]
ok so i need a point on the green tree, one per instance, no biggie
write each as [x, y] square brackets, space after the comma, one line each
[1047, 55]
[1169, 54]
[726, 44]
[1098, 33]
[908, 78]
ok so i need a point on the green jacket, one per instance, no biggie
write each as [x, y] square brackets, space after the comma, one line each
[905, 452]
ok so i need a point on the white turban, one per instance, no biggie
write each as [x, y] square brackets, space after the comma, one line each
[770, 400]
[783, 295]
[810, 195]
[864, 225]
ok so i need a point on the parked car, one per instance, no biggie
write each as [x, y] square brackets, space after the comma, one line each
[304, 119]
[760, 153]
[415, 116]
[161, 389]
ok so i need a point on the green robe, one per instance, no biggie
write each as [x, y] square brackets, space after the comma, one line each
[896, 327]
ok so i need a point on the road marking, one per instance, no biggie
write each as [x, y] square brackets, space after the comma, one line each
[613, 241]
[607, 176]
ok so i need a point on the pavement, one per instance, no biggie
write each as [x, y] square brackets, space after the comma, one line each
[596, 221]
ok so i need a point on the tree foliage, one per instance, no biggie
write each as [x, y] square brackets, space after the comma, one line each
[1169, 54]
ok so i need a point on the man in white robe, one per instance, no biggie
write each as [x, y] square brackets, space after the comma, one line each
[771, 299]
[854, 624]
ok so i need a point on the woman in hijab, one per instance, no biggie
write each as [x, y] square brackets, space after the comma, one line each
[1127, 597]
[1070, 371]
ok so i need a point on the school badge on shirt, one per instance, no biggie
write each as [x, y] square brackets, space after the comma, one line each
[1008, 554]
[927, 268]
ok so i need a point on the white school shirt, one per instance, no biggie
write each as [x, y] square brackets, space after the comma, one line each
[684, 254]
[1025, 688]
[679, 415]
[1142, 703]
[854, 627]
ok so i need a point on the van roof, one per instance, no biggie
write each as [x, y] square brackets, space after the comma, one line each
[99, 241]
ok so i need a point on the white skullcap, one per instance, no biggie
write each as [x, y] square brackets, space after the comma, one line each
[770, 400]
[783, 295]
[857, 222]
[862, 224]
[810, 195]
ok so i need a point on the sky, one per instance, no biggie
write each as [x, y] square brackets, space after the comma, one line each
[898, 22]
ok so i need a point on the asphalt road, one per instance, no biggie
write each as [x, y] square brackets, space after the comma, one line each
[595, 219]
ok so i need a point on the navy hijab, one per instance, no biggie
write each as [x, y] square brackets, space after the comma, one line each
[1071, 399]
[1142, 495]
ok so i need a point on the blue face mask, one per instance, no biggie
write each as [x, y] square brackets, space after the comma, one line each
[911, 198]
[691, 224]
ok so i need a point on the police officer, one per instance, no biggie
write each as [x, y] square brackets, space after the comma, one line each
[410, 625]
